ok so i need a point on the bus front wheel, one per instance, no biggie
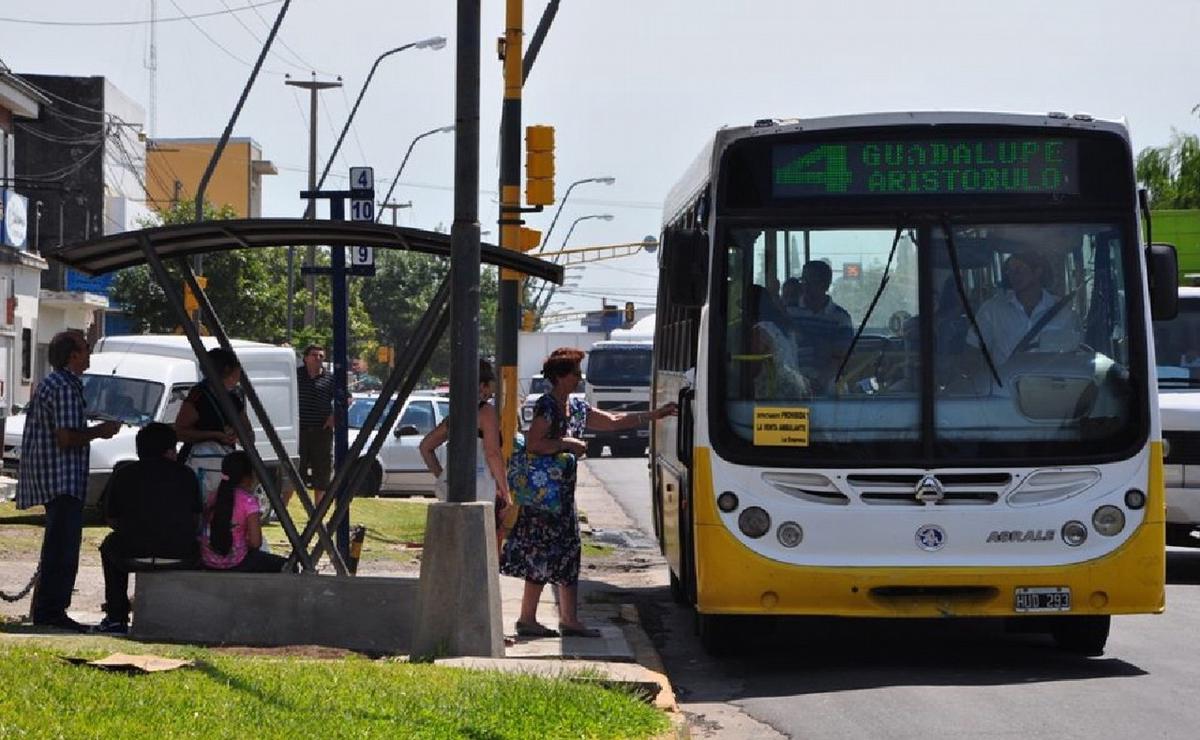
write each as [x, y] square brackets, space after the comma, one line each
[1085, 635]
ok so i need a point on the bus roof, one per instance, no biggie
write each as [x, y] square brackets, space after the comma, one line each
[695, 178]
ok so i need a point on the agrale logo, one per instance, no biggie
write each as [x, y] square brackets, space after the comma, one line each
[1016, 535]
[931, 537]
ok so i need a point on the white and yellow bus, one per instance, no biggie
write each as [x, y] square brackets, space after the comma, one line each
[915, 374]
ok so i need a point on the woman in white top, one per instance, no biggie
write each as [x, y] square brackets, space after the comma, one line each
[491, 480]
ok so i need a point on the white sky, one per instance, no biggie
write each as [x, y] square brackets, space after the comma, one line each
[634, 87]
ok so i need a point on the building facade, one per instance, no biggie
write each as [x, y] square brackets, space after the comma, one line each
[21, 267]
[175, 166]
[84, 158]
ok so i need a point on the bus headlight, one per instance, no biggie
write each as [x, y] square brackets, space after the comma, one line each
[1135, 499]
[754, 522]
[1074, 533]
[1108, 520]
[727, 501]
[790, 534]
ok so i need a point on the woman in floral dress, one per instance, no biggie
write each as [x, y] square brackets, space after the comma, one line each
[544, 545]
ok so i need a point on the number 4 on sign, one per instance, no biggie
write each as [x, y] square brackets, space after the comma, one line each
[362, 178]
[362, 256]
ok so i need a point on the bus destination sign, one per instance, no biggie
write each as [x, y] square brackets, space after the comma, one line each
[980, 166]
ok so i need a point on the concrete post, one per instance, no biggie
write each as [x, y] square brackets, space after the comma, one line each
[459, 604]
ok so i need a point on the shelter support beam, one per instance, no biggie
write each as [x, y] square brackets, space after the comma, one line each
[209, 315]
[175, 301]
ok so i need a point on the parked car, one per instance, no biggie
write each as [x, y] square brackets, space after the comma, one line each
[399, 469]
[1177, 353]
[538, 385]
[140, 379]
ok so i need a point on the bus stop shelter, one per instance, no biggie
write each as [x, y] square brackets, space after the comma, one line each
[154, 247]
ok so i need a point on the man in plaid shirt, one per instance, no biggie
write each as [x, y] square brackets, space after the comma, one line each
[54, 474]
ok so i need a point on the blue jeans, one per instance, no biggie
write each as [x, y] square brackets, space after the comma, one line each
[60, 559]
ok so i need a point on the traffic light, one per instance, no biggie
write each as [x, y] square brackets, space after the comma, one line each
[539, 165]
[529, 239]
[629, 312]
[528, 319]
[384, 354]
[190, 302]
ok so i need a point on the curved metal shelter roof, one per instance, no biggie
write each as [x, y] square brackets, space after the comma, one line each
[117, 251]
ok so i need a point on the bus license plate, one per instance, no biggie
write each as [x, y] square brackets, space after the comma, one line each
[1043, 599]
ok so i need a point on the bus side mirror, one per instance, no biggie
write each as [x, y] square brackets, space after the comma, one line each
[1162, 271]
[685, 258]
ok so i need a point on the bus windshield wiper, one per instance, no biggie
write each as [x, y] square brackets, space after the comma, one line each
[874, 300]
[966, 304]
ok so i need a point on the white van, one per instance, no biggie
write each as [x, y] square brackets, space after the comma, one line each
[1177, 352]
[144, 378]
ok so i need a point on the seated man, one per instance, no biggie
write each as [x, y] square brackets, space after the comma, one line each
[823, 328]
[153, 506]
[1006, 318]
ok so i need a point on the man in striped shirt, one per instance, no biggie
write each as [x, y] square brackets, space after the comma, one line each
[315, 389]
[54, 474]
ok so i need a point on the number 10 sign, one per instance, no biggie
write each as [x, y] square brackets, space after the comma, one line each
[362, 208]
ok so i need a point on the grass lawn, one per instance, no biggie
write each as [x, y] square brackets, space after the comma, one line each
[391, 524]
[231, 696]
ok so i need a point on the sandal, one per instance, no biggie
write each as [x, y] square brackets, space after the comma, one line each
[533, 629]
[578, 631]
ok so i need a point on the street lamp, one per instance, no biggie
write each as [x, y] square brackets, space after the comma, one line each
[396, 179]
[549, 288]
[601, 216]
[433, 42]
[561, 203]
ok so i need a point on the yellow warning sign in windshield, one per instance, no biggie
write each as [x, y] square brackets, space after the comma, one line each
[785, 426]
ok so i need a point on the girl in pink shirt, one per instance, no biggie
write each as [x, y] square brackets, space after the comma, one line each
[232, 532]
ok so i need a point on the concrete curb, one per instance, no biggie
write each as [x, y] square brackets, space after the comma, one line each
[647, 656]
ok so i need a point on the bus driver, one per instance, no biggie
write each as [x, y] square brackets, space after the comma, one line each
[1006, 318]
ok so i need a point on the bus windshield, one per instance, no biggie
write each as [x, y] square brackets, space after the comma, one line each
[1027, 354]
[620, 366]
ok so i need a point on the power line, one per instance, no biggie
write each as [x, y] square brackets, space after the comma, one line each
[353, 126]
[140, 22]
[289, 49]
[259, 41]
[218, 44]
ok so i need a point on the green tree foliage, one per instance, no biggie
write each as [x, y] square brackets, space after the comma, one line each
[401, 291]
[1172, 173]
[248, 289]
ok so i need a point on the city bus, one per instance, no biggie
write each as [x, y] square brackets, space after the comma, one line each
[915, 374]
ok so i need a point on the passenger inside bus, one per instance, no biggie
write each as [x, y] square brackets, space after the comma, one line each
[1025, 314]
[822, 329]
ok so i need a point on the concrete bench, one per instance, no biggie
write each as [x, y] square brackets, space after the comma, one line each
[373, 615]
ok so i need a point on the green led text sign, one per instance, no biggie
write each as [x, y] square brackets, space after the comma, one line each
[982, 166]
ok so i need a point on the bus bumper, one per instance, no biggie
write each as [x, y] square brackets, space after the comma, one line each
[732, 579]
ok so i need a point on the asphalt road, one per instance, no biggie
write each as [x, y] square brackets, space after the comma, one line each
[831, 678]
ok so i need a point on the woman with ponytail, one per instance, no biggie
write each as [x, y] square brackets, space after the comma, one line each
[232, 532]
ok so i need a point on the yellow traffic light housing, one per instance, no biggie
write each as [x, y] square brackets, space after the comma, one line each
[529, 239]
[190, 302]
[528, 320]
[539, 165]
[629, 312]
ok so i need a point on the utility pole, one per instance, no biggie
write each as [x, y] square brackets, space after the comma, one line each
[310, 282]
[509, 303]
[508, 319]
[394, 207]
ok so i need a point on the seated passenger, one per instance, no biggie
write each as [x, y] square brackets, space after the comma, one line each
[1006, 318]
[232, 532]
[823, 329]
[153, 506]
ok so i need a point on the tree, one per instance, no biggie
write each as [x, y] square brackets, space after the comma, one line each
[247, 288]
[401, 291]
[1172, 173]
